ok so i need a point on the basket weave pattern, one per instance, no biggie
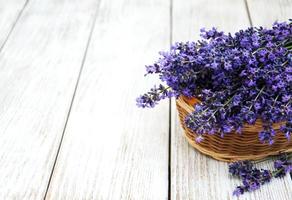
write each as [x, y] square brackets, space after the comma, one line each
[233, 146]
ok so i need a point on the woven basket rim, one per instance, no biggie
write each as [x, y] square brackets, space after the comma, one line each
[232, 146]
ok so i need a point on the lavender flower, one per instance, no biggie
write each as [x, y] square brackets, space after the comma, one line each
[267, 135]
[151, 98]
[239, 78]
[253, 178]
[240, 168]
[283, 166]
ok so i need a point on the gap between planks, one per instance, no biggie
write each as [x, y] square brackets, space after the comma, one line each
[39, 60]
[130, 161]
[170, 101]
[13, 25]
[73, 97]
[251, 23]
[194, 175]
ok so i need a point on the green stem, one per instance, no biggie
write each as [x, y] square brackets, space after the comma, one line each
[257, 97]
[286, 62]
[281, 43]
[165, 89]
[271, 157]
[274, 173]
[275, 100]
[226, 103]
[287, 103]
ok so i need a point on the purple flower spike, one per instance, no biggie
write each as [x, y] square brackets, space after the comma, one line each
[253, 178]
[239, 191]
[240, 78]
[267, 135]
[283, 166]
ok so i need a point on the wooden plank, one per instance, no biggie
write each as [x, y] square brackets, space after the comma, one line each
[40, 64]
[111, 148]
[270, 11]
[10, 11]
[194, 175]
[274, 11]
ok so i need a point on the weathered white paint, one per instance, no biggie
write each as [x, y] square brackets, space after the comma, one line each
[39, 68]
[193, 175]
[266, 12]
[111, 148]
[10, 11]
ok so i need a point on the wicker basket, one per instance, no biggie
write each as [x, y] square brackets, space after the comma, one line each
[233, 147]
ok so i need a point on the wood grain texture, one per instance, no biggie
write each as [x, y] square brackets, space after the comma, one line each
[39, 64]
[194, 175]
[266, 12]
[280, 10]
[111, 148]
[10, 11]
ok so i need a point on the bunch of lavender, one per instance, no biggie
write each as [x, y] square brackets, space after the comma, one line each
[239, 78]
[252, 178]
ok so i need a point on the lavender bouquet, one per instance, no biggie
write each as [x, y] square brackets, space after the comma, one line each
[239, 79]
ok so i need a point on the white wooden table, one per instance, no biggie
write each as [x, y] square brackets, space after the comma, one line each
[70, 71]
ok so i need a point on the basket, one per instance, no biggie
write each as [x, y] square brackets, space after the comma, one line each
[233, 146]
